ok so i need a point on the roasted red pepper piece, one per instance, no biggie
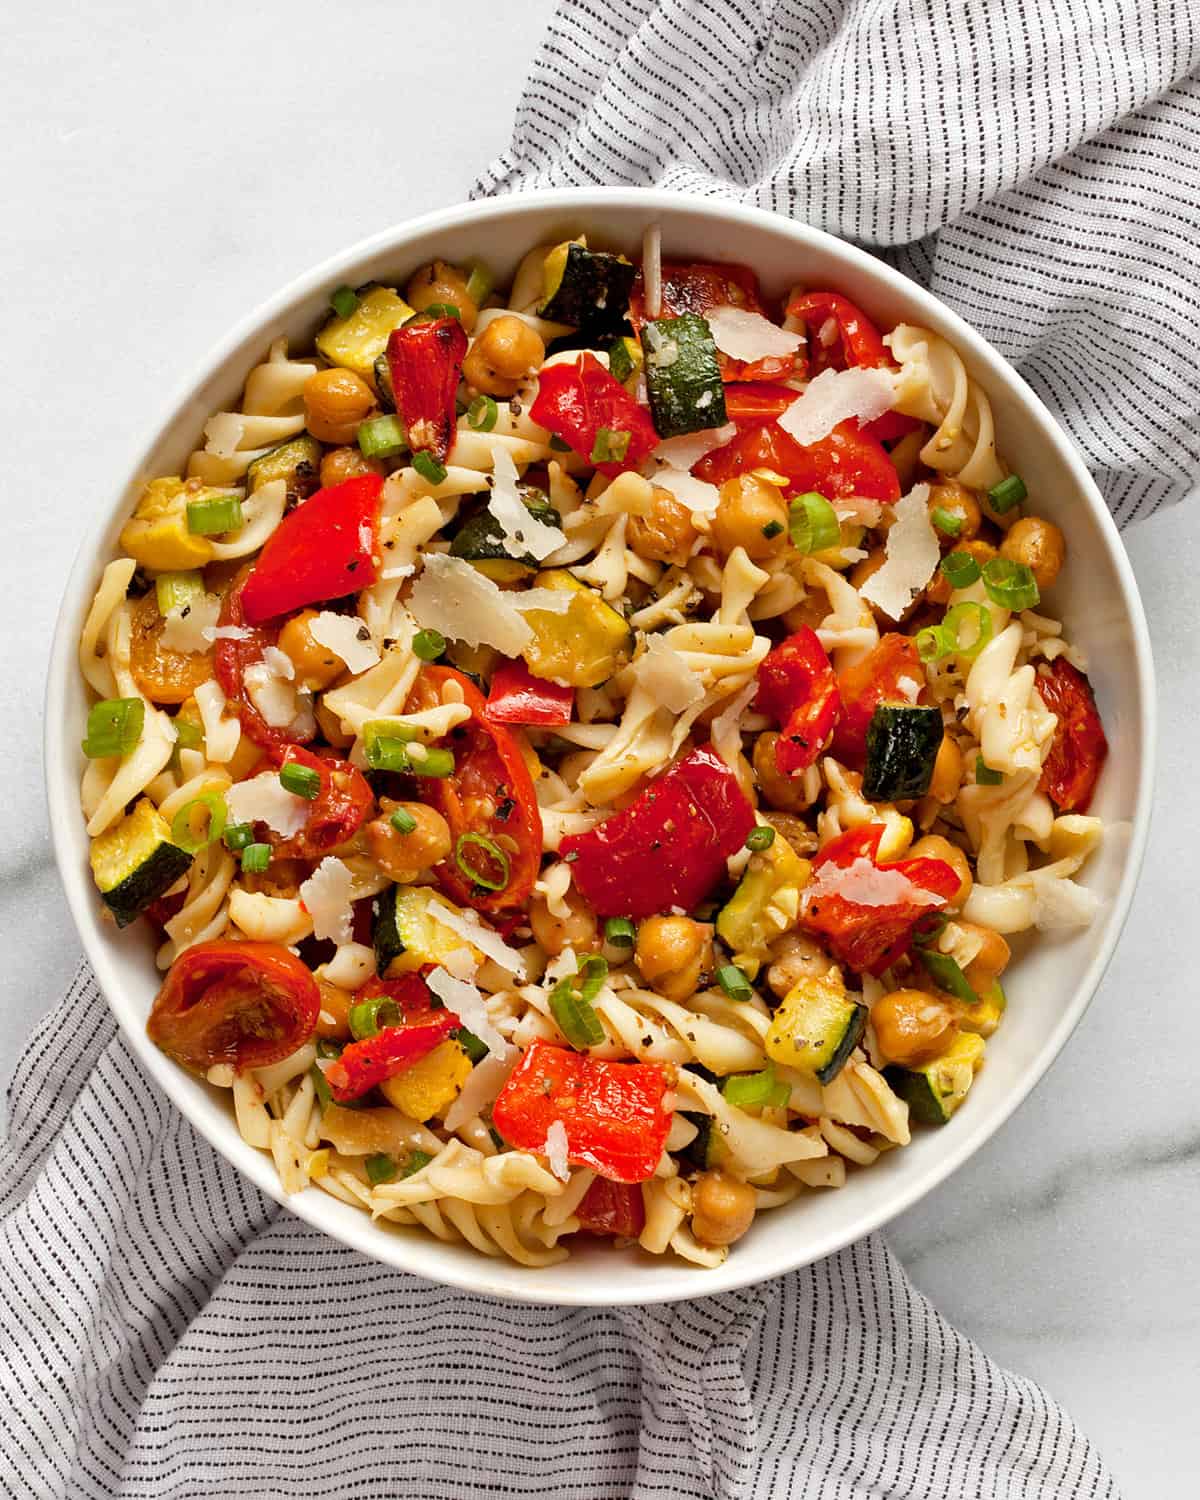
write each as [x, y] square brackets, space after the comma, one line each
[232, 657]
[518, 697]
[869, 935]
[699, 287]
[322, 550]
[409, 991]
[249, 1004]
[850, 338]
[575, 400]
[490, 793]
[884, 675]
[425, 362]
[614, 1208]
[669, 847]
[1080, 746]
[335, 814]
[798, 688]
[753, 404]
[847, 462]
[364, 1064]
[615, 1114]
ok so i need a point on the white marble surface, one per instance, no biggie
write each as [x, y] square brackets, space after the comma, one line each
[164, 168]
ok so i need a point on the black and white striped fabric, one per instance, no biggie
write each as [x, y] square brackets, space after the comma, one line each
[168, 1333]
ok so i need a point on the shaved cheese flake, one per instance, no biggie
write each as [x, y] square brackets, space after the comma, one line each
[462, 604]
[326, 895]
[555, 1150]
[229, 633]
[221, 735]
[521, 531]
[487, 1078]
[549, 601]
[187, 629]
[223, 433]
[750, 336]
[273, 698]
[690, 447]
[835, 396]
[347, 637]
[867, 884]
[489, 942]
[666, 676]
[913, 554]
[263, 799]
[699, 497]
[279, 663]
[467, 1004]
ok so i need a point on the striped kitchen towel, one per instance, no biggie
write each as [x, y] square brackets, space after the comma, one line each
[168, 1333]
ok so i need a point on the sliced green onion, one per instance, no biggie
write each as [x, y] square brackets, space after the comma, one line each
[960, 568]
[183, 834]
[435, 762]
[390, 746]
[930, 927]
[1007, 493]
[114, 726]
[933, 642]
[188, 736]
[177, 591]
[256, 858]
[1010, 584]
[620, 932]
[441, 310]
[611, 446]
[428, 467]
[594, 973]
[479, 284]
[978, 622]
[571, 1003]
[475, 1049]
[734, 982]
[323, 1091]
[301, 781]
[344, 301]
[327, 1047]
[947, 975]
[416, 1160]
[772, 528]
[379, 1168]
[482, 414]
[382, 437]
[392, 729]
[428, 644]
[478, 874]
[215, 516]
[813, 523]
[946, 521]
[756, 1090]
[558, 445]
[238, 836]
[369, 1017]
[402, 820]
[984, 775]
[761, 837]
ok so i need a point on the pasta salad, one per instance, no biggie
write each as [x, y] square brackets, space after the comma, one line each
[583, 749]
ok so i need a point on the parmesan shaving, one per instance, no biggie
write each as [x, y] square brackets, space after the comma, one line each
[279, 663]
[347, 637]
[867, 884]
[221, 735]
[263, 799]
[482, 937]
[913, 554]
[521, 531]
[555, 1150]
[750, 336]
[690, 447]
[462, 604]
[467, 1004]
[835, 396]
[187, 629]
[223, 433]
[228, 633]
[666, 676]
[486, 1080]
[327, 895]
[699, 497]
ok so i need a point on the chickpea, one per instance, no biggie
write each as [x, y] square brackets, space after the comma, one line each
[439, 281]
[939, 591]
[784, 793]
[991, 960]
[331, 728]
[340, 464]
[675, 955]
[507, 352]
[912, 1027]
[1040, 545]
[796, 956]
[578, 929]
[667, 532]
[316, 665]
[933, 846]
[722, 1208]
[947, 772]
[951, 496]
[404, 856]
[751, 514]
[335, 1003]
[335, 402]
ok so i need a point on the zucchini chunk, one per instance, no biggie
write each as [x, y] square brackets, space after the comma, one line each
[407, 933]
[816, 1028]
[934, 1092]
[625, 361]
[985, 1015]
[765, 904]
[903, 740]
[588, 289]
[582, 646]
[356, 342]
[297, 461]
[480, 540]
[135, 862]
[683, 379]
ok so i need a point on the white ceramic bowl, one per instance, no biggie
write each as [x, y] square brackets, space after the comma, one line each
[1051, 984]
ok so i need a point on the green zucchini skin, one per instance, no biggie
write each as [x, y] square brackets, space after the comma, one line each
[151, 879]
[934, 1092]
[298, 461]
[844, 1044]
[385, 935]
[903, 740]
[685, 390]
[383, 384]
[593, 294]
[479, 539]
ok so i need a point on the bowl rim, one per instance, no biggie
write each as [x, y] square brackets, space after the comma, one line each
[494, 1278]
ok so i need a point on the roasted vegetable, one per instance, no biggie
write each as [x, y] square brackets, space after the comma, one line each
[588, 289]
[581, 646]
[903, 740]
[407, 933]
[157, 535]
[357, 342]
[935, 1091]
[297, 461]
[480, 540]
[430, 1085]
[683, 379]
[765, 904]
[135, 862]
[816, 1028]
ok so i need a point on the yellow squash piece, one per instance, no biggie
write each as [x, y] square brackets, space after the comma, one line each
[816, 1027]
[582, 646]
[764, 905]
[983, 1017]
[422, 938]
[431, 1085]
[157, 535]
[356, 342]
